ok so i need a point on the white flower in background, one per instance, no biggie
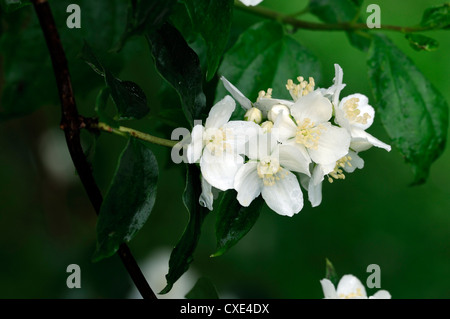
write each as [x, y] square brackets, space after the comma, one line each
[217, 145]
[251, 2]
[349, 287]
[312, 132]
[268, 172]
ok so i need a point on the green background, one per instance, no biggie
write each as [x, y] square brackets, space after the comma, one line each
[373, 217]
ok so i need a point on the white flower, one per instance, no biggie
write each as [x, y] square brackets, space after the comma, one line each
[312, 132]
[217, 145]
[349, 287]
[356, 115]
[251, 2]
[268, 172]
[353, 113]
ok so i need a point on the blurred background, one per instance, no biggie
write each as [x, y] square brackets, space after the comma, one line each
[373, 217]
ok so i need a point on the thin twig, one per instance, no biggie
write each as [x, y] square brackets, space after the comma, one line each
[71, 123]
[317, 26]
[126, 131]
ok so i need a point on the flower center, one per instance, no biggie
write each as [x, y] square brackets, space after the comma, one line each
[338, 173]
[215, 140]
[270, 171]
[352, 294]
[353, 113]
[301, 89]
[308, 134]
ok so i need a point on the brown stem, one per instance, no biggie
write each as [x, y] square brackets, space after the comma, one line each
[71, 123]
[314, 26]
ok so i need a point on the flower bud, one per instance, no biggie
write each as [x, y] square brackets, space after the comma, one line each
[267, 126]
[253, 115]
[276, 110]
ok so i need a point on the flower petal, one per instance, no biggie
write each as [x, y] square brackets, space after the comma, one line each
[195, 147]
[381, 294]
[315, 194]
[361, 141]
[247, 183]
[338, 85]
[251, 2]
[219, 170]
[284, 127]
[351, 287]
[356, 162]
[238, 96]
[261, 145]
[206, 197]
[315, 186]
[294, 157]
[285, 196]
[220, 113]
[238, 133]
[333, 144]
[313, 106]
[329, 291]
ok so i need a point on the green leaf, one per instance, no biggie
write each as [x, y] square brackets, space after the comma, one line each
[128, 97]
[203, 289]
[144, 16]
[88, 56]
[338, 11]
[182, 255]
[411, 109]
[212, 19]
[330, 273]
[26, 58]
[421, 42]
[129, 200]
[12, 5]
[437, 17]
[234, 221]
[179, 65]
[264, 57]
[100, 107]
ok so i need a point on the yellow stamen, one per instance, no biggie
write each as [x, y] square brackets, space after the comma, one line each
[337, 173]
[301, 89]
[308, 133]
[270, 171]
[216, 141]
[353, 113]
[352, 294]
[264, 94]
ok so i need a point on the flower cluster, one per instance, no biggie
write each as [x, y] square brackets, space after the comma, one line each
[282, 145]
